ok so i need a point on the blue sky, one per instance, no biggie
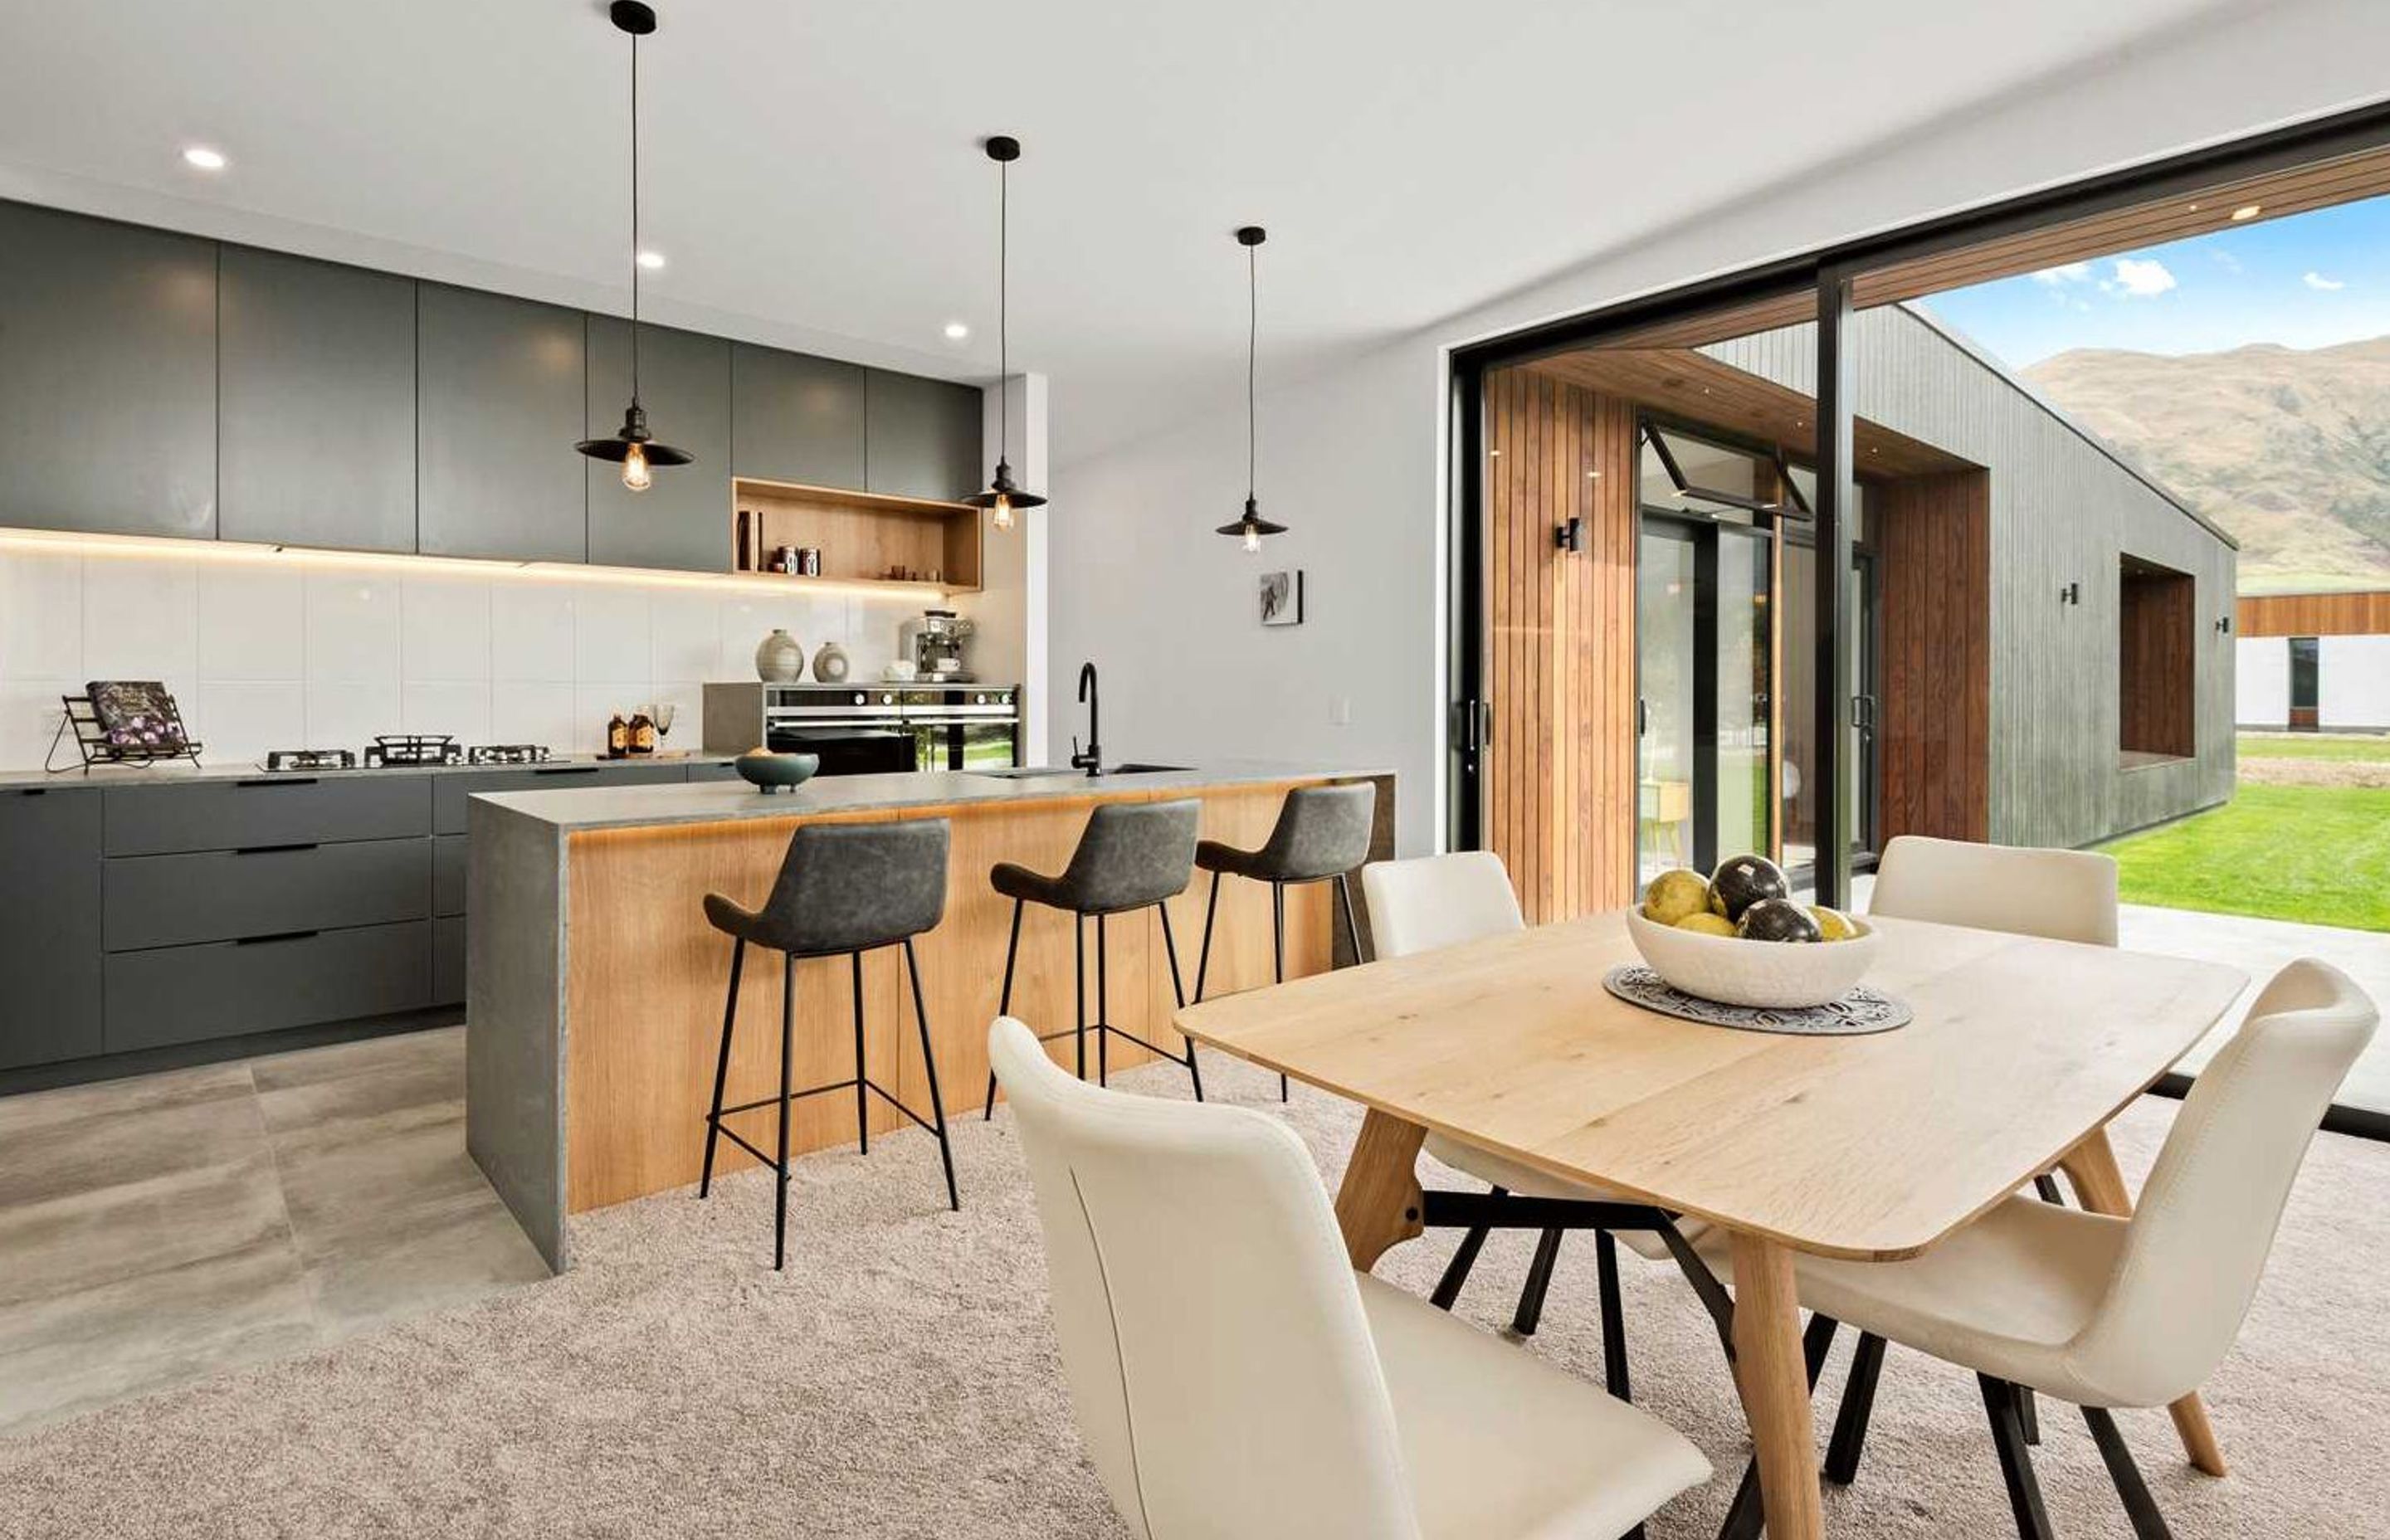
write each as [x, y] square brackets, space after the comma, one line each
[2306, 281]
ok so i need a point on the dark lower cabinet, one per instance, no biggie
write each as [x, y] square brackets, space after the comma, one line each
[448, 961]
[234, 895]
[262, 811]
[108, 376]
[49, 925]
[190, 993]
[500, 402]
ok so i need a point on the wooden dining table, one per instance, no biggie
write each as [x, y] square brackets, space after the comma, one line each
[1874, 1147]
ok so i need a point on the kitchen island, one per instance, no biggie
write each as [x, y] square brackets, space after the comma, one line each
[597, 986]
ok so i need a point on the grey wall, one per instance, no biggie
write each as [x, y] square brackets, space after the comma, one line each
[2063, 511]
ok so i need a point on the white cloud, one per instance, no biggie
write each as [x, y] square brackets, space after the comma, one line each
[2140, 278]
[2227, 261]
[2316, 281]
[2072, 272]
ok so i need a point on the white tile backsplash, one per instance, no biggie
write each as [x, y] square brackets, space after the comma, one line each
[295, 652]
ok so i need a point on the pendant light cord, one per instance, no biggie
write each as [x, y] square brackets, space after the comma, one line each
[1252, 347]
[635, 219]
[1003, 309]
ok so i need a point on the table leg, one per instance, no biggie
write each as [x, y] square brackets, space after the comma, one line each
[1775, 1385]
[2099, 1185]
[1379, 1203]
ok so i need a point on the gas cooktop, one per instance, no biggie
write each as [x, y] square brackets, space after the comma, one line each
[408, 752]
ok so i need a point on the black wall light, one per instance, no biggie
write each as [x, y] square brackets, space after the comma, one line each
[1002, 496]
[2070, 593]
[1570, 536]
[1252, 526]
[2224, 626]
[633, 448]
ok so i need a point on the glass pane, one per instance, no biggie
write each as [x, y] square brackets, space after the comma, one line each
[1741, 796]
[1664, 627]
[1706, 468]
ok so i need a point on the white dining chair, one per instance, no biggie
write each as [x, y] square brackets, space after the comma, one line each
[2104, 1312]
[1435, 901]
[1234, 1377]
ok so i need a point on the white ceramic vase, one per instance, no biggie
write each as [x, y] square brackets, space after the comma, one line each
[830, 664]
[780, 659]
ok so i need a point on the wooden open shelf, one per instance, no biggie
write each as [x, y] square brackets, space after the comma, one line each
[863, 537]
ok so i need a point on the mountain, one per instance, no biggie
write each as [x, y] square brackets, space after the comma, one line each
[2289, 450]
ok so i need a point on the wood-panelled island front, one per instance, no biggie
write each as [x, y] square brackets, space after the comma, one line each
[597, 986]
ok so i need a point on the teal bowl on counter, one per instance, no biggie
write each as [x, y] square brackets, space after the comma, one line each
[770, 772]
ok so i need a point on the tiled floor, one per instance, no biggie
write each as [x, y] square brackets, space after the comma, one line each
[169, 1227]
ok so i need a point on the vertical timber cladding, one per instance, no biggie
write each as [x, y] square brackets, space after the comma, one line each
[1934, 540]
[1560, 647]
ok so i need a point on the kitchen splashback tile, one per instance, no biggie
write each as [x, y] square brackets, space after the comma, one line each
[140, 617]
[611, 633]
[30, 713]
[252, 623]
[445, 628]
[348, 713]
[353, 630]
[459, 708]
[244, 719]
[41, 615]
[533, 713]
[684, 637]
[531, 632]
[594, 702]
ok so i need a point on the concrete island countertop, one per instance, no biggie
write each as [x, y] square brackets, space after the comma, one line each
[573, 809]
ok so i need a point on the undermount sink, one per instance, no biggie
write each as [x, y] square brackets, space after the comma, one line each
[1133, 769]
[1023, 772]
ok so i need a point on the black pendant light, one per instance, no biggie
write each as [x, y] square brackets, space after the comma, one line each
[1001, 495]
[1252, 526]
[633, 448]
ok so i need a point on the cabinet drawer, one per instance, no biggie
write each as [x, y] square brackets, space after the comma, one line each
[49, 924]
[225, 895]
[451, 856]
[280, 810]
[448, 961]
[452, 789]
[190, 993]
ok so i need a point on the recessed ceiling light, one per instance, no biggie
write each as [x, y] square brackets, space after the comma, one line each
[652, 260]
[956, 331]
[201, 158]
[2247, 211]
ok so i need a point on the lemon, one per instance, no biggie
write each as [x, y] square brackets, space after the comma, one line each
[1706, 923]
[1833, 923]
[1673, 894]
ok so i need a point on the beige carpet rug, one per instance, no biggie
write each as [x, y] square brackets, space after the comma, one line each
[900, 1381]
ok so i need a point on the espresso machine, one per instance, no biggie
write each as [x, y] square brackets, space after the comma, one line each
[934, 641]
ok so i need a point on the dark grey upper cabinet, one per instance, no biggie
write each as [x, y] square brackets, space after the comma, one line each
[500, 402]
[108, 376]
[684, 520]
[924, 438]
[49, 925]
[317, 378]
[795, 418]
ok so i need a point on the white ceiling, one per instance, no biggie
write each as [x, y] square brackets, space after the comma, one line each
[813, 174]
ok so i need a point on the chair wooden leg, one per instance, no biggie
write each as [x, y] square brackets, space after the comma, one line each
[1613, 1319]
[930, 1071]
[1003, 1002]
[721, 1066]
[1858, 1402]
[2016, 1458]
[862, 1103]
[1464, 1257]
[1179, 993]
[2139, 1507]
[780, 1154]
[1278, 954]
[1203, 956]
[1530, 1312]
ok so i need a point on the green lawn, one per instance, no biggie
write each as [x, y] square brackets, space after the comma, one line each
[2301, 746]
[2318, 855]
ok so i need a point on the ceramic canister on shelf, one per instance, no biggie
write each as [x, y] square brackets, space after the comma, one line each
[780, 659]
[830, 664]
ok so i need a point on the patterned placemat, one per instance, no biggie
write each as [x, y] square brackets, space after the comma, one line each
[1862, 1011]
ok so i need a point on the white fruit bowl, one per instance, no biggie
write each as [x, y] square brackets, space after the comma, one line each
[1773, 975]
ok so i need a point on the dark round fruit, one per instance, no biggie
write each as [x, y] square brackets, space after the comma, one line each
[1744, 881]
[1778, 920]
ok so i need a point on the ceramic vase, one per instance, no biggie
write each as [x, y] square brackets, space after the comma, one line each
[780, 659]
[830, 664]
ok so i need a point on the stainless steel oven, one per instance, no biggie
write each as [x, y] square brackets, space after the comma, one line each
[855, 732]
[871, 728]
[964, 726]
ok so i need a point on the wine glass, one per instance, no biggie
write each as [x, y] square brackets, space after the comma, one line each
[661, 714]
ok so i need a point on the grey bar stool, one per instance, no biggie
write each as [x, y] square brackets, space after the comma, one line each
[843, 888]
[1133, 856]
[1322, 833]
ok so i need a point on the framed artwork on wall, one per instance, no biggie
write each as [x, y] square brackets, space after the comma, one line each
[1281, 598]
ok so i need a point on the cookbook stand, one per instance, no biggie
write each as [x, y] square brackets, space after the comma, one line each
[91, 739]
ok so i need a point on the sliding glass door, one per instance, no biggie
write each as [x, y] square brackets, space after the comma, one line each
[1702, 679]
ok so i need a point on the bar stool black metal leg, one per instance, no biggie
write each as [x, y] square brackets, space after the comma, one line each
[862, 1107]
[1613, 1319]
[1103, 1011]
[2139, 1507]
[1179, 992]
[1079, 985]
[1540, 1280]
[1464, 1257]
[1004, 1001]
[1278, 953]
[1858, 1404]
[1203, 957]
[722, 1065]
[780, 1154]
[2016, 1459]
[1351, 924]
[2046, 1186]
[930, 1071]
